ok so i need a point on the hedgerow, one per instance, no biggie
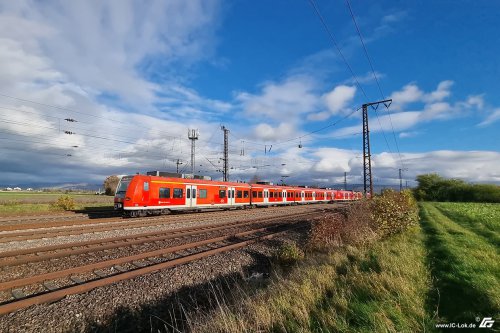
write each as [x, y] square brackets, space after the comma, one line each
[362, 222]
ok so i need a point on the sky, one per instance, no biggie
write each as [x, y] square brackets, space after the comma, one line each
[90, 89]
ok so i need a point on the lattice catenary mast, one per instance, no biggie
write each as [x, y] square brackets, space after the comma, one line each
[367, 163]
[193, 136]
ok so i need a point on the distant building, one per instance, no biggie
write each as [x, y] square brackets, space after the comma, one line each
[8, 189]
[17, 189]
[29, 189]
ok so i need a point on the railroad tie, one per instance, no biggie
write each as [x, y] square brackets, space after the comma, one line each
[76, 279]
[49, 285]
[100, 273]
[140, 264]
[120, 268]
[18, 293]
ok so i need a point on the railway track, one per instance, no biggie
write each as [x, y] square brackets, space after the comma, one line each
[91, 214]
[106, 225]
[56, 285]
[37, 254]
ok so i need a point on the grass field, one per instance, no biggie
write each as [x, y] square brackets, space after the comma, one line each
[444, 270]
[464, 259]
[40, 202]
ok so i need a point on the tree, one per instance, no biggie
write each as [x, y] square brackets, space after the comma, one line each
[110, 184]
[432, 187]
[254, 179]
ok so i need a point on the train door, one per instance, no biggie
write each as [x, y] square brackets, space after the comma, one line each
[284, 195]
[302, 196]
[266, 195]
[230, 196]
[145, 193]
[191, 195]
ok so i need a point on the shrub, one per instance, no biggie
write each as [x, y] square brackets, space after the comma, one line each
[393, 212]
[110, 184]
[364, 221]
[432, 187]
[348, 226]
[289, 253]
[65, 202]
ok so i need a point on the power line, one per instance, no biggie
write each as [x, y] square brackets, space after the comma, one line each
[365, 49]
[304, 135]
[375, 76]
[334, 41]
[332, 38]
[59, 108]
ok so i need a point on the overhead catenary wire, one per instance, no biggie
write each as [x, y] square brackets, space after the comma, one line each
[374, 75]
[339, 50]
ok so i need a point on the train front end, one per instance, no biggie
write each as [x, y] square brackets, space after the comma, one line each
[121, 191]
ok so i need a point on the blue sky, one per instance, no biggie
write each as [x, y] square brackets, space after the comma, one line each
[136, 77]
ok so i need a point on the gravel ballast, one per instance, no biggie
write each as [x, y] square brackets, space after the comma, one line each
[147, 301]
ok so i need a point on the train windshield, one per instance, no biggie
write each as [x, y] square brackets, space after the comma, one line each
[122, 187]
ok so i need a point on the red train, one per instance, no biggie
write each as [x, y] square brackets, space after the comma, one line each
[142, 195]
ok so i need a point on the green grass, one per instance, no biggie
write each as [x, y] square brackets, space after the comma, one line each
[445, 270]
[374, 289]
[464, 260]
[13, 203]
[482, 219]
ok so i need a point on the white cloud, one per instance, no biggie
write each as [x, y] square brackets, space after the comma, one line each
[412, 134]
[266, 132]
[337, 99]
[83, 57]
[442, 91]
[326, 166]
[492, 118]
[409, 94]
[285, 100]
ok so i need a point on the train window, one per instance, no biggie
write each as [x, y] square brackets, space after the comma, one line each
[260, 194]
[239, 194]
[146, 186]
[254, 194]
[245, 194]
[232, 194]
[164, 193]
[202, 194]
[194, 193]
[177, 193]
[222, 194]
[188, 193]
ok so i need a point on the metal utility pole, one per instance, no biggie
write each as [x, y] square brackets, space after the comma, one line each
[400, 181]
[178, 163]
[367, 163]
[225, 171]
[193, 136]
[345, 180]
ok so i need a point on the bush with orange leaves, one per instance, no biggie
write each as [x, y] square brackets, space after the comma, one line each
[364, 221]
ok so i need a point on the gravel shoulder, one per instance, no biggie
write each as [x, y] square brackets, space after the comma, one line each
[153, 301]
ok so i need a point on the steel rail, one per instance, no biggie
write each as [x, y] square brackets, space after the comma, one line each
[66, 231]
[65, 250]
[44, 225]
[36, 234]
[55, 295]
